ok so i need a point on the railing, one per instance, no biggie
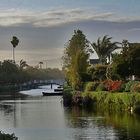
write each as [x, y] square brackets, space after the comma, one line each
[58, 82]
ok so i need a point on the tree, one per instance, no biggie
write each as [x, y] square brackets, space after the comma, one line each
[14, 42]
[104, 48]
[134, 58]
[127, 63]
[75, 58]
[9, 72]
[97, 72]
[4, 136]
[22, 64]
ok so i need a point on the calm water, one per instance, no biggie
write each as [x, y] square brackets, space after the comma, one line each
[45, 118]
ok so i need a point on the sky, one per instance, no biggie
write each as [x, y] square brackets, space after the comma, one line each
[45, 26]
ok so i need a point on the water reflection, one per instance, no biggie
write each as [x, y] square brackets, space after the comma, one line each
[45, 118]
[88, 126]
[103, 125]
[7, 109]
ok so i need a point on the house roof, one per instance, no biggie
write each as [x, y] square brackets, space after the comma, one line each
[94, 61]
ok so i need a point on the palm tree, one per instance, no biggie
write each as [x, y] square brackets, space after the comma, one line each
[14, 42]
[104, 48]
[22, 64]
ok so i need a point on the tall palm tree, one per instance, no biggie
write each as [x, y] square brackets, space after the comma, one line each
[104, 48]
[14, 42]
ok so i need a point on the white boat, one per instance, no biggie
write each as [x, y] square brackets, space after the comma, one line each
[52, 93]
[57, 91]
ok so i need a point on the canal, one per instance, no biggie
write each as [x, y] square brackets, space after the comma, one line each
[37, 117]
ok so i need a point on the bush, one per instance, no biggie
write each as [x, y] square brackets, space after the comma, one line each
[7, 136]
[122, 88]
[77, 98]
[116, 85]
[100, 72]
[91, 86]
[67, 96]
[108, 84]
[113, 85]
[85, 77]
[135, 87]
[101, 87]
[129, 85]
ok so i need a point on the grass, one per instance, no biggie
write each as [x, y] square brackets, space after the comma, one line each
[123, 100]
[105, 99]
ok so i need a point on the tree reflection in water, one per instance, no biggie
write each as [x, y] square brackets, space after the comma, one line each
[92, 124]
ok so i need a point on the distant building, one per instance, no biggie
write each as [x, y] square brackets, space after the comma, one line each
[94, 61]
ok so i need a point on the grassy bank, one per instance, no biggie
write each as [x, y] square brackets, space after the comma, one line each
[118, 100]
[104, 99]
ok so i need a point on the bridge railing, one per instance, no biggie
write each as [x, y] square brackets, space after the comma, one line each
[57, 81]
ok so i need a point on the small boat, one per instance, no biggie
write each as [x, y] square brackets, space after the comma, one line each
[52, 93]
[58, 89]
[60, 86]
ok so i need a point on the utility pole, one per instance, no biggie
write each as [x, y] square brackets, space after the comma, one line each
[40, 64]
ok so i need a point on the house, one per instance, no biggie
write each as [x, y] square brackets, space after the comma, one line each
[94, 61]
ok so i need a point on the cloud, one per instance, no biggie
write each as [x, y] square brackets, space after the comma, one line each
[57, 17]
[16, 17]
[62, 11]
[134, 30]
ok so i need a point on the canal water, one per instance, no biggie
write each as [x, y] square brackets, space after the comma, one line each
[38, 117]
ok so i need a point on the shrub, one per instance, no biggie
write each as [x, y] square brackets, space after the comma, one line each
[101, 87]
[91, 86]
[116, 85]
[85, 77]
[135, 87]
[122, 88]
[130, 85]
[7, 136]
[108, 84]
[77, 98]
[99, 73]
[113, 85]
[67, 96]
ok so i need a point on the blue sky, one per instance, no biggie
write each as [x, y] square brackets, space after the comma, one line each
[44, 26]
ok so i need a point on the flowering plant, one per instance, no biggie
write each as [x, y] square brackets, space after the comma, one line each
[77, 97]
[113, 85]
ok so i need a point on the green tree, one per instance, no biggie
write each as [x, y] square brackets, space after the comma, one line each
[104, 48]
[14, 42]
[127, 63]
[4, 136]
[22, 64]
[97, 72]
[134, 58]
[75, 58]
[9, 72]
